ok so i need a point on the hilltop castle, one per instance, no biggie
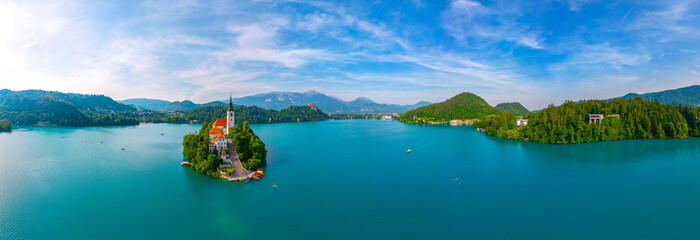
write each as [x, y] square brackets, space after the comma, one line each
[219, 129]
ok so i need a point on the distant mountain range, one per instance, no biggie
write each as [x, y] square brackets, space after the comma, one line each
[687, 96]
[282, 100]
[462, 106]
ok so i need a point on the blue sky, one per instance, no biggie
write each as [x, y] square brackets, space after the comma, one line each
[534, 52]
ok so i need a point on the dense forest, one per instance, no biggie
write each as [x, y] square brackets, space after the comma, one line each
[5, 125]
[569, 123]
[250, 114]
[196, 151]
[463, 106]
[34, 106]
[251, 150]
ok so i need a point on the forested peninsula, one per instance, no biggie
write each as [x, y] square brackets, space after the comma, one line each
[621, 119]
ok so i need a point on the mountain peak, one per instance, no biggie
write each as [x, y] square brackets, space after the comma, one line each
[362, 100]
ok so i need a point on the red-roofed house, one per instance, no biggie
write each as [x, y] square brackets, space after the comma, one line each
[221, 142]
[214, 131]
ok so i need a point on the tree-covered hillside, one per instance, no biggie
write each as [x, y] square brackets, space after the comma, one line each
[250, 114]
[569, 123]
[512, 107]
[687, 96]
[64, 109]
[463, 106]
[81, 101]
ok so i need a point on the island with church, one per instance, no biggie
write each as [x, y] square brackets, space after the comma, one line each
[224, 150]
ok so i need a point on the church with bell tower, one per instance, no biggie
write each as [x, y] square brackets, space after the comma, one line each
[230, 116]
[219, 130]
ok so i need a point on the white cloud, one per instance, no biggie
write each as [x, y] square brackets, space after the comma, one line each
[577, 5]
[675, 17]
[474, 24]
[606, 56]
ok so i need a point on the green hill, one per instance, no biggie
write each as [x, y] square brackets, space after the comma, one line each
[513, 107]
[463, 106]
[32, 107]
[687, 96]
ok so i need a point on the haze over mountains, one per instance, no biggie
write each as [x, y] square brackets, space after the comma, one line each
[282, 100]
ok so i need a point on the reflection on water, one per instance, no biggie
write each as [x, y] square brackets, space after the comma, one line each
[617, 151]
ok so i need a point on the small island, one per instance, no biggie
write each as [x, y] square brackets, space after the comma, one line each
[223, 150]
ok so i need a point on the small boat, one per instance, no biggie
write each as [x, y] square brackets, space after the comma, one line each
[162, 134]
[247, 179]
[186, 164]
[274, 185]
[408, 151]
[256, 177]
[122, 148]
[259, 169]
[149, 173]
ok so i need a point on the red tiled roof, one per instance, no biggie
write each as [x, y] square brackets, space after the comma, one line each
[221, 122]
[217, 137]
[215, 130]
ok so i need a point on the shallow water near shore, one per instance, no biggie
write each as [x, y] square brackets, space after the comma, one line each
[346, 180]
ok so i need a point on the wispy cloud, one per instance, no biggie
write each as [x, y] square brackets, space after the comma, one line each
[475, 24]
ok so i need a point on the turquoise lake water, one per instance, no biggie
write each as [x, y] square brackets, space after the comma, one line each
[346, 180]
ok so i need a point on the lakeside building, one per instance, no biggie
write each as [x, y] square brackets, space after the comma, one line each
[521, 122]
[386, 117]
[595, 118]
[313, 106]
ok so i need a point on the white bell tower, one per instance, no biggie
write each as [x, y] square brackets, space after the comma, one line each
[230, 116]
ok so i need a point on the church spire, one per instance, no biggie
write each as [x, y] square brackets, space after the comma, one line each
[230, 102]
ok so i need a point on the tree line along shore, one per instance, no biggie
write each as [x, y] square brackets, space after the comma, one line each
[572, 122]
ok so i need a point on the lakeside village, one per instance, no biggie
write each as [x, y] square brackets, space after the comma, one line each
[230, 168]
